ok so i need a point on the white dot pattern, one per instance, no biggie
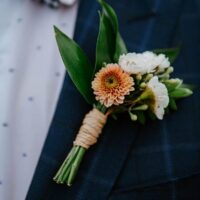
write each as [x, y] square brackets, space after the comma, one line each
[31, 77]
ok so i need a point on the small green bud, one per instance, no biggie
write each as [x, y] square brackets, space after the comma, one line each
[133, 116]
[143, 85]
[148, 77]
[142, 107]
[138, 77]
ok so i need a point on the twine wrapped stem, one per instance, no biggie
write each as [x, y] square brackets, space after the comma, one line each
[88, 134]
[91, 128]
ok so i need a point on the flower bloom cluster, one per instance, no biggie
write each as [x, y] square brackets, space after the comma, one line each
[143, 63]
[115, 84]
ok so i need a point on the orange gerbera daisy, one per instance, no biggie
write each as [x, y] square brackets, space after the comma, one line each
[111, 84]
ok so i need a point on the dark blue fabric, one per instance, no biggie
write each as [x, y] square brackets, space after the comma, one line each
[131, 162]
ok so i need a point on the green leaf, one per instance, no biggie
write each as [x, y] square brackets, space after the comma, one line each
[141, 117]
[110, 14]
[172, 104]
[172, 84]
[180, 93]
[171, 53]
[120, 47]
[151, 115]
[76, 63]
[105, 43]
[118, 43]
[189, 86]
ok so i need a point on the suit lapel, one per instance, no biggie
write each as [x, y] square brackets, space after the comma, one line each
[69, 113]
[103, 162]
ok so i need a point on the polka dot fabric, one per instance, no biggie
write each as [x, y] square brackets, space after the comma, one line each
[31, 77]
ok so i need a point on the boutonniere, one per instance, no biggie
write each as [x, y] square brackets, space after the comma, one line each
[138, 84]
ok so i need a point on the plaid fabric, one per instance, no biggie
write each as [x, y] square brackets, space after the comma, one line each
[185, 189]
[130, 162]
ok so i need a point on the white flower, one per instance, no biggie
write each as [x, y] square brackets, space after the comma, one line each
[161, 61]
[161, 98]
[142, 63]
[132, 63]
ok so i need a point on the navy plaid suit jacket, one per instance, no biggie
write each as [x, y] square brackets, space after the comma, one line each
[131, 162]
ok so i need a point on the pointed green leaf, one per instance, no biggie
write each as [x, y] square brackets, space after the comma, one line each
[112, 34]
[120, 47]
[189, 86]
[141, 117]
[171, 53]
[110, 14]
[172, 104]
[76, 63]
[105, 43]
[180, 93]
[172, 84]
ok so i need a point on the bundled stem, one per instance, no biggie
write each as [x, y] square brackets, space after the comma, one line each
[70, 166]
[89, 132]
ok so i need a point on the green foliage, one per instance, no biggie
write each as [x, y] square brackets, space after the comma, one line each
[110, 44]
[105, 43]
[76, 63]
[141, 117]
[180, 93]
[176, 90]
[172, 104]
[109, 47]
[171, 53]
[172, 84]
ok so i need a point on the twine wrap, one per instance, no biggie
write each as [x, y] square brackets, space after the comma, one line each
[91, 128]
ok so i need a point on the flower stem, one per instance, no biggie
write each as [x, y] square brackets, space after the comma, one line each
[70, 166]
[101, 107]
[75, 165]
[68, 170]
[67, 167]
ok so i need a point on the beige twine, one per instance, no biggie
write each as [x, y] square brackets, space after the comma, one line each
[91, 128]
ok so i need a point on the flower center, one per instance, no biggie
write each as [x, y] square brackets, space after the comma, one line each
[111, 81]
